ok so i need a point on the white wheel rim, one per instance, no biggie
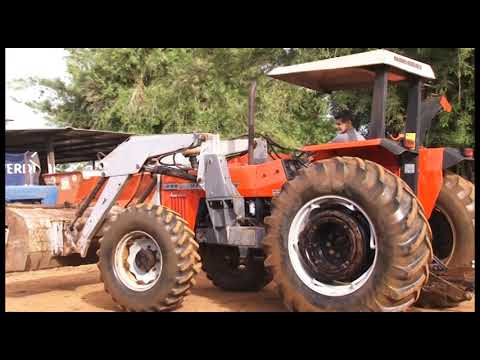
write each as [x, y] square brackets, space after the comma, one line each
[297, 226]
[125, 261]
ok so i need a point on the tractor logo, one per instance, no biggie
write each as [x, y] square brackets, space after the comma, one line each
[408, 62]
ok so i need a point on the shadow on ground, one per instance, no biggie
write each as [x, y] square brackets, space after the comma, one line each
[100, 299]
[83, 284]
[51, 283]
[265, 300]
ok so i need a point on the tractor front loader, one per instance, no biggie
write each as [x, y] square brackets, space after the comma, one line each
[356, 226]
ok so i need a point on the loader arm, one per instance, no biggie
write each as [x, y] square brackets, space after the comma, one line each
[127, 159]
[212, 176]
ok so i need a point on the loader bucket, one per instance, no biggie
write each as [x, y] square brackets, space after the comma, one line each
[33, 236]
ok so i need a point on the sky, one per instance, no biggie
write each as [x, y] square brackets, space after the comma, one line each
[24, 63]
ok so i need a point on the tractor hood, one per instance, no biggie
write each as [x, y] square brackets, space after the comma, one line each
[352, 71]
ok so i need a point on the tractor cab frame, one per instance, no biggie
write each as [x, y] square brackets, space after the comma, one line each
[375, 70]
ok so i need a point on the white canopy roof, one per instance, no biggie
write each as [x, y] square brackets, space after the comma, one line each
[351, 71]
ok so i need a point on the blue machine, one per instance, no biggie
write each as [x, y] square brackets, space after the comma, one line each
[46, 195]
[19, 170]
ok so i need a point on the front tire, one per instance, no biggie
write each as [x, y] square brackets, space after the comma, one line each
[148, 259]
[223, 267]
[345, 189]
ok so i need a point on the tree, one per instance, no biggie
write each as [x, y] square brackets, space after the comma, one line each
[454, 69]
[164, 90]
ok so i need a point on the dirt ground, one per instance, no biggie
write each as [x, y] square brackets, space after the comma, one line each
[72, 289]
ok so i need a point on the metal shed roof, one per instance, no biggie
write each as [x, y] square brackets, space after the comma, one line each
[351, 71]
[69, 144]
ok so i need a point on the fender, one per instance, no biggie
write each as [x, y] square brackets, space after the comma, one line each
[386, 152]
[430, 181]
[392, 156]
[452, 157]
[432, 164]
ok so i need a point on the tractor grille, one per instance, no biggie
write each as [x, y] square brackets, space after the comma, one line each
[178, 204]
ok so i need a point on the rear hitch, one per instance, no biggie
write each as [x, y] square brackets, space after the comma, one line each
[454, 283]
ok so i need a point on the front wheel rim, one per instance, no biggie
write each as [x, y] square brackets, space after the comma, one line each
[138, 261]
[297, 256]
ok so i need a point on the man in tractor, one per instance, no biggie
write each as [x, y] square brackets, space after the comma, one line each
[345, 129]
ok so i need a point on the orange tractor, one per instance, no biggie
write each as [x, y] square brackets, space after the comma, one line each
[374, 225]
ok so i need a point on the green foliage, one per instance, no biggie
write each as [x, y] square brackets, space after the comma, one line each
[174, 90]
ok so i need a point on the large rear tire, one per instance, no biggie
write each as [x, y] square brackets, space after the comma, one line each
[453, 227]
[222, 266]
[148, 259]
[371, 203]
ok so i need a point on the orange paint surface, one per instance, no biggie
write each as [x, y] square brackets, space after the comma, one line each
[430, 179]
[261, 180]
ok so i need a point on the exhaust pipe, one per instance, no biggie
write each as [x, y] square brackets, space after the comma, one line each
[251, 121]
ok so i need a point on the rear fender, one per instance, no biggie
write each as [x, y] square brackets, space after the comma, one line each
[390, 155]
[382, 151]
[430, 178]
[452, 157]
[432, 164]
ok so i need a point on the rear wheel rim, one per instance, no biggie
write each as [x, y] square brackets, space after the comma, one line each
[138, 261]
[353, 253]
